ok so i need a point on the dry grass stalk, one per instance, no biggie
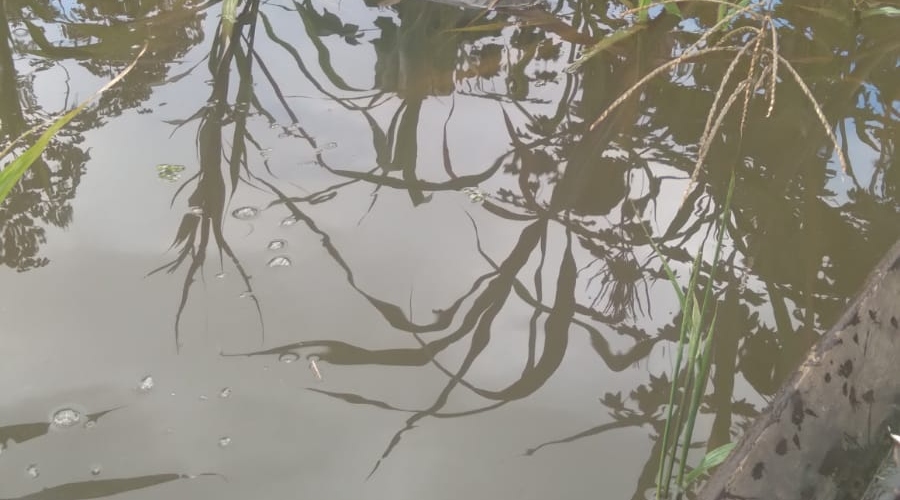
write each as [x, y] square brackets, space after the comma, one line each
[720, 118]
[762, 74]
[845, 165]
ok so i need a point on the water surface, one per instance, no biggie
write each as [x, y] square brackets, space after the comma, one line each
[393, 243]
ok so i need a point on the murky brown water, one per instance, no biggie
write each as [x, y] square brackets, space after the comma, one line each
[471, 309]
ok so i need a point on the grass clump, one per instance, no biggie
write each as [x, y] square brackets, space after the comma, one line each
[690, 372]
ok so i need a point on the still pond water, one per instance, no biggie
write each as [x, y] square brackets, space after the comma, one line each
[371, 251]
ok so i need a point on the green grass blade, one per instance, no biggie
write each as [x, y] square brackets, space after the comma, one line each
[881, 11]
[712, 459]
[229, 17]
[607, 42]
[698, 389]
[14, 171]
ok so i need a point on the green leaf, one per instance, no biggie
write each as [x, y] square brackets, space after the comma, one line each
[712, 459]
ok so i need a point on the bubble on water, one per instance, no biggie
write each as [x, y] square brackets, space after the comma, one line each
[280, 261]
[475, 195]
[288, 357]
[196, 210]
[96, 470]
[246, 295]
[220, 275]
[288, 221]
[245, 213]
[32, 471]
[90, 424]
[146, 384]
[203, 397]
[326, 147]
[224, 393]
[66, 418]
[276, 245]
[224, 441]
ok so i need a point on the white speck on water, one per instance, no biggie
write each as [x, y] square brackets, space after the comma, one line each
[224, 441]
[246, 295]
[220, 275]
[280, 261]
[196, 210]
[32, 471]
[245, 213]
[90, 424]
[288, 221]
[288, 357]
[276, 245]
[96, 470]
[203, 397]
[66, 418]
[224, 393]
[146, 384]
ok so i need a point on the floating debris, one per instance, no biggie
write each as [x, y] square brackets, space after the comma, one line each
[288, 221]
[169, 172]
[146, 384]
[32, 471]
[66, 418]
[224, 441]
[198, 211]
[224, 393]
[203, 397]
[96, 470]
[313, 365]
[220, 276]
[246, 295]
[245, 213]
[280, 261]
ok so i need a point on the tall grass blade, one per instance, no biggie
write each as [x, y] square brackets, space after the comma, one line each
[14, 171]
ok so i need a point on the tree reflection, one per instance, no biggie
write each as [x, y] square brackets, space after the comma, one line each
[798, 241]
